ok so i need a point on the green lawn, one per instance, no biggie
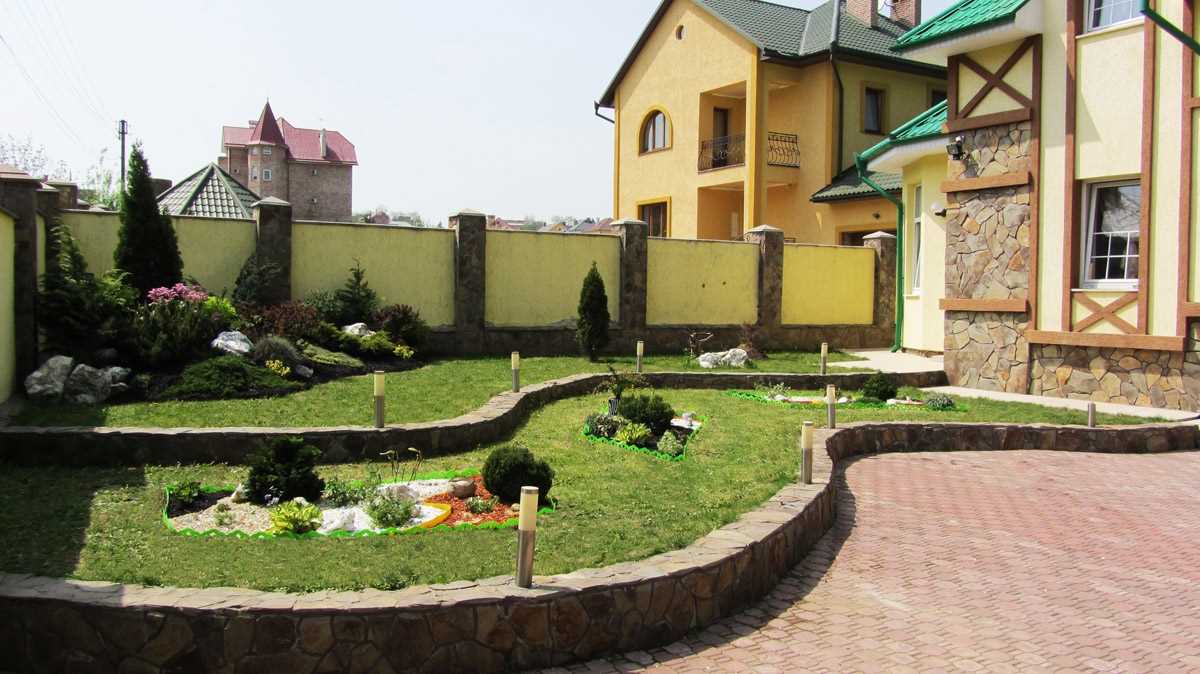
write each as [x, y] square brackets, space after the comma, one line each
[439, 390]
[613, 505]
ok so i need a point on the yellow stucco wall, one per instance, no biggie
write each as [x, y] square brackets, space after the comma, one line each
[906, 97]
[213, 250]
[8, 347]
[701, 282]
[1053, 163]
[96, 234]
[534, 279]
[1164, 213]
[828, 285]
[923, 326]
[405, 265]
[1109, 108]
[1020, 77]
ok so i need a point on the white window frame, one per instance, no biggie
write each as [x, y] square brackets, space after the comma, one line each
[917, 226]
[266, 174]
[1085, 228]
[1088, 18]
[267, 150]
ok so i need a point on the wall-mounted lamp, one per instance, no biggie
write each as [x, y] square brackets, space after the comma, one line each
[955, 148]
[938, 209]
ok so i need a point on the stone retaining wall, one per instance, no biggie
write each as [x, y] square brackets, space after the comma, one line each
[88, 446]
[49, 624]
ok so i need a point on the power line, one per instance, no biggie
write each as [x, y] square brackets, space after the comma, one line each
[38, 91]
[72, 56]
[53, 55]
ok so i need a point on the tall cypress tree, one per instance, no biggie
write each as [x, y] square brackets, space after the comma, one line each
[147, 249]
[591, 330]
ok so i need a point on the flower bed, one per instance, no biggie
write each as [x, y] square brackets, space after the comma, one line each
[684, 436]
[944, 403]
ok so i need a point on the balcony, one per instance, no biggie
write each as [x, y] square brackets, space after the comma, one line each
[783, 149]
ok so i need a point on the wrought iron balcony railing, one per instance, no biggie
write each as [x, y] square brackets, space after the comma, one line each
[783, 149]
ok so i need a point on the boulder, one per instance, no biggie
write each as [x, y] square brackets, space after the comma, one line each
[117, 375]
[47, 382]
[358, 330]
[303, 371]
[338, 519]
[240, 494]
[398, 491]
[87, 386]
[730, 358]
[233, 342]
[462, 487]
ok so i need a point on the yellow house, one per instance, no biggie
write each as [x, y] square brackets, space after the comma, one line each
[730, 114]
[1049, 205]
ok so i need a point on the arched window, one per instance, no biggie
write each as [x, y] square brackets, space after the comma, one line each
[655, 132]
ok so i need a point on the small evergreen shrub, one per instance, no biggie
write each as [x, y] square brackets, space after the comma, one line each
[147, 248]
[278, 348]
[604, 425]
[403, 325]
[325, 303]
[357, 302]
[285, 470]
[295, 517]
[591, 328]
[227, 377]
[670, 445]
[255, 280]
[939, 402]
[337, 359]
[649, 410]
[634, 433]
[879, 386]
[391, 512]
[78, 312]
[511, 467]
[376, 345]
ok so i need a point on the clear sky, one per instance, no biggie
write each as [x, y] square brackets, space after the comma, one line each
[450, 104]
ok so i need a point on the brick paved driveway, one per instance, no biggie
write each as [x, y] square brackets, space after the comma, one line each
[981, 562]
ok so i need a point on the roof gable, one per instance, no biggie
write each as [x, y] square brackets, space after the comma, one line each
[266, 130]
[961, 17]
[209, 193]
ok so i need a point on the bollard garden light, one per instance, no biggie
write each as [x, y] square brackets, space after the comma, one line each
[831, 406]
[526, 533]
[824, 356]
[516, 369]
[378, 379]
[1091, 409]
[806, 452]
[641, 351]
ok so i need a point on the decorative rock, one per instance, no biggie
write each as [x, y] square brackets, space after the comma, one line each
[303, 371]
[358, 330]
[730, 358]
[398, 491]
[233, 342]
[117, 375]
[47, 382]
[87, 386]
[462, 487]
[240, 495]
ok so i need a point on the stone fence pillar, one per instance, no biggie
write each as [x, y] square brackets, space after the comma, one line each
[634, 236]
[18, 196]
[470, 273]
[770, 276]
[884, 245]
[273, 245]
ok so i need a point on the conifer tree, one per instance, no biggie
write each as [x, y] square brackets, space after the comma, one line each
[147, 249]
[591, 330]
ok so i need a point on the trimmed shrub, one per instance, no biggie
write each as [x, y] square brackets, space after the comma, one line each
[147, 249]
[511, 467]
[591, 328]
[274, 347]
[635, 434]
[650, 410]
[227, 377]
[879, 386]
[403, 325]
[356, 301]
[285, 470]
[254, 281]
[939, 402]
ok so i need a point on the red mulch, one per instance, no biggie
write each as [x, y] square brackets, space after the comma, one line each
[458, 507]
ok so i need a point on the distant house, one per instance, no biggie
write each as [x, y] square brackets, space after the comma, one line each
[312, 169]
[210, 192]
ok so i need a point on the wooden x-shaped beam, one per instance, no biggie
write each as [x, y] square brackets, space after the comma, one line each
[996, 80]
[1106, 312]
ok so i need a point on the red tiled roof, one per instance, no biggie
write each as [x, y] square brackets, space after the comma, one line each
[266, 130]
[302, 144]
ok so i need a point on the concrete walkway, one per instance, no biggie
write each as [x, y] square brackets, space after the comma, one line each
[1066, 403]
[886, 361]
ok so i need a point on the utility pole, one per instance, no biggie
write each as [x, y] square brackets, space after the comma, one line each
[122, 131]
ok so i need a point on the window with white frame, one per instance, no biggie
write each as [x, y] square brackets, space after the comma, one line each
[266, 174]
[917, 210]
[1110, 238]
[267, 150]
[1105, 13]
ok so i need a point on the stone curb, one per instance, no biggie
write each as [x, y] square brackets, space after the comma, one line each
[497, 419]
[489, 625]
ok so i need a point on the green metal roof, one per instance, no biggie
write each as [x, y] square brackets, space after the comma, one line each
[209, 193]
[962, 17]
[848, 185]
[926, 125]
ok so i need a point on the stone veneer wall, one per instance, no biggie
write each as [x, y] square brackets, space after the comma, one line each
[490, 625]
[1168, 379]
[987, 257]
[87, 446]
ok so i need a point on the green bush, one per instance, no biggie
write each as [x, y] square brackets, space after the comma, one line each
[591, 327]
[391, 512]
[511, 467]
[274, 347]
[634, 433]
[357, 302]
[879, 386]
[321, 356]
[939, 402]
[868, 400]
[254, 281]
[147, 248]
[649, 410]
[376, 345]
[604, 425]
[178, 323]
[293, 320]
[325, 303]
[479, 505]
[227, 377]
[185, 492]
[403, 325]
[294, 517]
[670, 445]
[285, 470]
[222, 310]
[341, 493]
[78, 312]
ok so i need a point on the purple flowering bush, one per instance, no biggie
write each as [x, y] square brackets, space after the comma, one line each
[176, 324]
